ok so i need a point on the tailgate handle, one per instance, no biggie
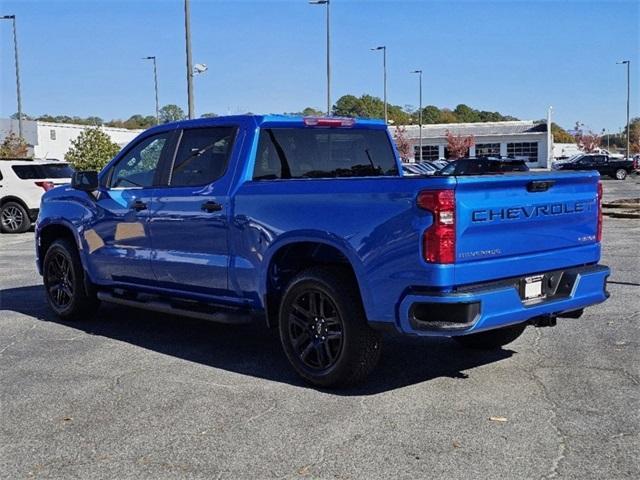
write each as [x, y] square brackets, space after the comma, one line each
[540, 185]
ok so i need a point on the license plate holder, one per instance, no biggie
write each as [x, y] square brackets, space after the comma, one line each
[531, 288]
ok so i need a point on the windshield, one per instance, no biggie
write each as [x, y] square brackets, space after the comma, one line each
[40, 171]
[323, 153]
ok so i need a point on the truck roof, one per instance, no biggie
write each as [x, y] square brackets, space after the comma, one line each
[270, 120]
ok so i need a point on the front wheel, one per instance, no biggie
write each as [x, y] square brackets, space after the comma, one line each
[492, 339]
[621, 174]
[68, 295]
[324, 331]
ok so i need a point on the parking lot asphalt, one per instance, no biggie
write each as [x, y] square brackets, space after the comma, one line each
[132, 394]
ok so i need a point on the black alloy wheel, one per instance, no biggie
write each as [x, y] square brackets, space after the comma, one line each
[69, 293]
[315, 329]
[324, 330]
[60, 281]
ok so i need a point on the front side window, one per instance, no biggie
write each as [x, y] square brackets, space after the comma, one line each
[139, 165]
[323, 153]
[202, 157]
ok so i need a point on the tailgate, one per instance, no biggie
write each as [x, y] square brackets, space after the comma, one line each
[520, 215]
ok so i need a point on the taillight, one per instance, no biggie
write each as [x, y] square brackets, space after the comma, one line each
[439, 240]
[45, 185]
[599, 234]
[328, 122]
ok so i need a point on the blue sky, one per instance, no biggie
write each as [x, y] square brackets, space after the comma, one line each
[517, 57]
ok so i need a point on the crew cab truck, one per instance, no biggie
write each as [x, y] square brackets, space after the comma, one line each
[309, 224]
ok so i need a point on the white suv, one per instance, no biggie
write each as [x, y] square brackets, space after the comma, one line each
[22, 183]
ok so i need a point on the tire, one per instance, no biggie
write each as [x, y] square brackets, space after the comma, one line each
[68, 295]
[492, 339]
[620, 174]
[324, 330]
[14, 218]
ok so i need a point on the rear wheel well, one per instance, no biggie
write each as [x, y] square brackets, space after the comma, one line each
[292, 259]
[50, 234]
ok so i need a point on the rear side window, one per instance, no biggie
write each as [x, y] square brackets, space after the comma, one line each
[50, 170]
[323, 153]
[202, 157]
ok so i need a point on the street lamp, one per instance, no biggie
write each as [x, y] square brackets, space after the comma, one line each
[327, 3]
[187, 34]
[155, 81]
[15, 53]
[384, 68]
[628, 64]
[419, 72]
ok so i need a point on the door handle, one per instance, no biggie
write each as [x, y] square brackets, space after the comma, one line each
[139, 205]
[211, 206]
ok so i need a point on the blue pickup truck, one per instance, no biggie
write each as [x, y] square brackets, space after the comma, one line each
[309, 225]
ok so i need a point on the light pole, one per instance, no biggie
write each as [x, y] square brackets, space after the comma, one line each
[384, 72]
[327, 3]
[15, 53]
[628, 64]
[187, 33]
[155, 81]
[419, 72]
[549, 138]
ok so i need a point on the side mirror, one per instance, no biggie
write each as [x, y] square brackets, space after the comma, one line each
[85, 181]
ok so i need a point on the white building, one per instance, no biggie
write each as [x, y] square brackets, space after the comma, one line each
[504, 139]
[52, 140]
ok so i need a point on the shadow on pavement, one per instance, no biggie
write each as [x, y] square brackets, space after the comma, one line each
[253, 349]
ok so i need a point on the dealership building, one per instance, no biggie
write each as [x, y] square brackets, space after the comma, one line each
[53, 140]
[516, 139]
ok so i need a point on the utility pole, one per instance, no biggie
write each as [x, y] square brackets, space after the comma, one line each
[187, 32]
[384, 73]
[15, 53]
[419, 72]
[155, 80]
[549, 138]
[628, 64]
[327, 3]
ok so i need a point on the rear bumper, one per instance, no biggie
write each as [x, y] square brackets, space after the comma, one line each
[499, 304]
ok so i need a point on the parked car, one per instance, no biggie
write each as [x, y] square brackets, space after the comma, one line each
[23, 182]
[418, 168]
[613, 167]
[441, 163]
[309, 225]
[483, 166]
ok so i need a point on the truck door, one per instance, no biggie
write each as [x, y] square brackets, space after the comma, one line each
[117, 236]
[189, 218]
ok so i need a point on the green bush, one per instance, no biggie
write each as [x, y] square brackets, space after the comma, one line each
[92, 150]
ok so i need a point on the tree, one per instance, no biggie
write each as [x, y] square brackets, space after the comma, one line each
[634, 136]
[15, 116]
[209, 115]
[14, 146]
[92, 150]
[560, 135]
[312, 112]
[588, 142]
[402, 143]
[447, 116]
[466, 114]
[430, 114]
[459, 145]
[171, 113]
